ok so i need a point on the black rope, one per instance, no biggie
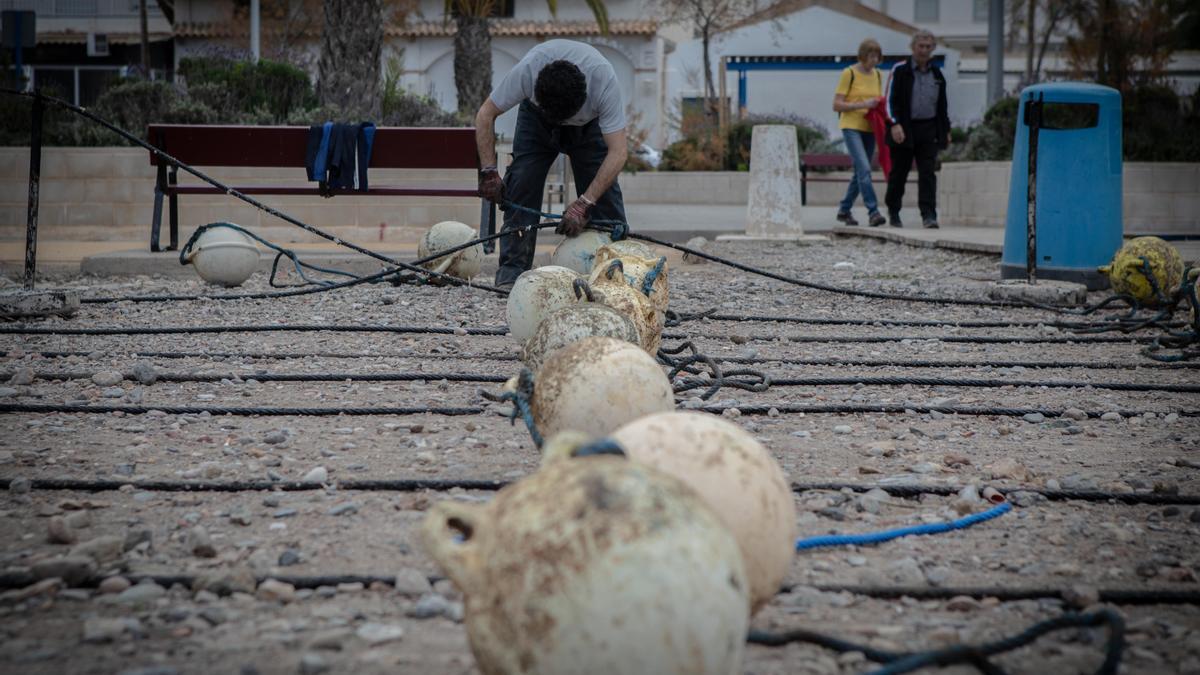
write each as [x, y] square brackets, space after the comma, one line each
[236, 410]
[913, 491]
[1117, 596]
[953, 382]
[292, 377]
[976, 655]
[756, 409]
[677, 318]
[419, 484]
[274, 328]
[345, 328]
[847, 361]
[879, 295]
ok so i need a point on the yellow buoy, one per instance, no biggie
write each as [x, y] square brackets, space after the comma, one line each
[1147, 268]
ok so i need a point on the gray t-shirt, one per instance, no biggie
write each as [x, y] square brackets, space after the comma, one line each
[925, 94]
[603, 90]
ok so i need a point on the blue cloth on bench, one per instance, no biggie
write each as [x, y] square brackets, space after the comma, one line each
[334, 151]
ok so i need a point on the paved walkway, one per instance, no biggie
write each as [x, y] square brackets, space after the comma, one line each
[672, 222]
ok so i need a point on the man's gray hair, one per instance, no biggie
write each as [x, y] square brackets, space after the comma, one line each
[922, 34]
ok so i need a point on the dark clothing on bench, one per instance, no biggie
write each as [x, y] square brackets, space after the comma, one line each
[536, 144]
[334, 151]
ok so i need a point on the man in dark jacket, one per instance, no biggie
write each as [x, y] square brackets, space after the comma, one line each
[916, 103]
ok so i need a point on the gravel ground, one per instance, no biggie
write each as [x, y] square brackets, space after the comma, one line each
[223, 540]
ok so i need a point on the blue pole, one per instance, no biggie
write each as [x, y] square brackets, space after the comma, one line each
[742, 87]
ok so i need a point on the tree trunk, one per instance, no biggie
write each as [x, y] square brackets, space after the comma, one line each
[710, 102]
[1030, 20]
[145, 40]
[348, 70]
[472, 63]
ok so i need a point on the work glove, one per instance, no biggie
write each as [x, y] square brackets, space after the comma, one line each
[491, 187]
[575, 218]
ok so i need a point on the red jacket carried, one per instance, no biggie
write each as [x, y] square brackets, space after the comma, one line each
[879, 126]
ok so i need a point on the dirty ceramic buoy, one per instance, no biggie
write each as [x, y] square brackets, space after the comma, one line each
[578, 253]
[611, 290]
[636, 270]
[597, 384]
[563, 573]
[224, 256]
[617, 249]
[534, 295]
[447, 234]
[735, 475]
[570, 324]
[1148, 268]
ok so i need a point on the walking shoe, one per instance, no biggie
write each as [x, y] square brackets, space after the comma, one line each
[876, 219]
[930, 223]
[845, 217]
[894, 220]
[505, 285]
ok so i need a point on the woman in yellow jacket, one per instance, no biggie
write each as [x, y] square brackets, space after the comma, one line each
[860, 89]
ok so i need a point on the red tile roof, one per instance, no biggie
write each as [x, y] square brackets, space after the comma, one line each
[499, 28]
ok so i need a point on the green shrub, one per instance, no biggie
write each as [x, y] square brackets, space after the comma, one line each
[810, 137]
[247, 88]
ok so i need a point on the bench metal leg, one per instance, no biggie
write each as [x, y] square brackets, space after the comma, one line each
[173, 201]
[803, 185]
[155, 225]
[487, 225]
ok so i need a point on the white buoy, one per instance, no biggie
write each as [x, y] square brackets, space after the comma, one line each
[578, 253]
[464, 263]
[224, 256]
[535, 294]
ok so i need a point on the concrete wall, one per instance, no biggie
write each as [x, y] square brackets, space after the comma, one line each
[97, 194]
[1158, 198]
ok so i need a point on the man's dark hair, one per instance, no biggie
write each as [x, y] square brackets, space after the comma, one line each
[560, 90]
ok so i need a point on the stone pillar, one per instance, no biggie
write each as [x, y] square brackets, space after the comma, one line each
[773, 211]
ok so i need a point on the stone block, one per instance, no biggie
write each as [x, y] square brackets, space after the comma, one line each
[62, 190]
[1185, 208]
[774, 208]
[96, 215]
[1144, 206]
[18, 304]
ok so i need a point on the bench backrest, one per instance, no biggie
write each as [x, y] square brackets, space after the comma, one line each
[828, 160]
[263, 146]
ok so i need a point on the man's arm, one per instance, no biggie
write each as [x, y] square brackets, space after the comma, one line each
[485, 132]
[610, 168]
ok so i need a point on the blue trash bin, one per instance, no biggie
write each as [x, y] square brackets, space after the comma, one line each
[1078, 201]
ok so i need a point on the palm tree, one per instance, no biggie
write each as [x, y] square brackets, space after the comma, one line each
[473, 47]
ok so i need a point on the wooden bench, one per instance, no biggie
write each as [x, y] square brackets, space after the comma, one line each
[284, 147]
[828, 161]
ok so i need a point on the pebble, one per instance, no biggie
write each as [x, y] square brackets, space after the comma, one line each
[6, 392]
[289, 557]
[937, 575]
[842, 429]
[802, 434]
[114, 585]
[844, 265]
[1009, 468]
[107, 378]
[275, 437]
[1195, 517]
[284, 513]
[1111, 417]
[101, 630]
[1080, 596]
[271, 590]
[145, 373]
[200, 543]
[1034, 417]
[313, 664]
[20, 486]
[144, 593]
[59, 532]
[226, 581]
[379, 633]
[240, 517]
[1075, 414]
[332, 640]
[112, 392]
[101, 549]
[344, 509]
[411, 581]
[962, 603]
[317, 475]
[429, 606]
[73, 570]
[22, 377]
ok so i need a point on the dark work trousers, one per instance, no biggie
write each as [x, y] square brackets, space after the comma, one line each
[536, 144]
[924, 149]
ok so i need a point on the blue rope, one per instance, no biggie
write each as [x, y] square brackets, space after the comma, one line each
[888, 535]
[603, 446]
[521, 406]
[652, 276]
